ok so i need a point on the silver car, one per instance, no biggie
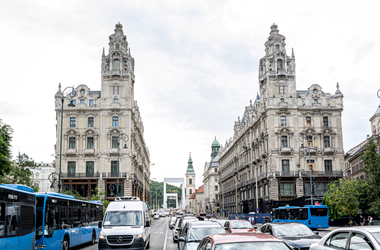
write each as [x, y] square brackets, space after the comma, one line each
[352, 238]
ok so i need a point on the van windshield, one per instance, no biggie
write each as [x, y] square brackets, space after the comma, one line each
[123, 218]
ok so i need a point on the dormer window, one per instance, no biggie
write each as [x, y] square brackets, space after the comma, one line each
[315, 91]
[117, 46]
[315, 100]
[116, 64]
[82, 91]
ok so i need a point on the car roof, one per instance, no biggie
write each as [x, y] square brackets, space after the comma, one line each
[369, 229]
[284, 223]
[238, 220]
[242, 237]
[203, 224]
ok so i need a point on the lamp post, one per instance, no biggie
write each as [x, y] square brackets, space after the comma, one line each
[72, 93]
[125, 139]
[303, 135]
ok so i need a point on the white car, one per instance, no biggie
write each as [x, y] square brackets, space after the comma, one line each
[350, 238]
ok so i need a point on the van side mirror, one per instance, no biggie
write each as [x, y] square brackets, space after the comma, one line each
[147, 223]
[100, 224]
[317, 233]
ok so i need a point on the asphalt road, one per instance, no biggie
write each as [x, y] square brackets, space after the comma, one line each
[162, 237]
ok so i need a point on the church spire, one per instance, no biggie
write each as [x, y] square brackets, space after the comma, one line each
[190, 169]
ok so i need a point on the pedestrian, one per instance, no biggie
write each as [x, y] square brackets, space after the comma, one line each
[266, 219]
[370, 220]
[362, 220]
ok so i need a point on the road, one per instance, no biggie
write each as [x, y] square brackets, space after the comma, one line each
[162, 237]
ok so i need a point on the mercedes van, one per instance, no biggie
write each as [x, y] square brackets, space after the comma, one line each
[126, 225]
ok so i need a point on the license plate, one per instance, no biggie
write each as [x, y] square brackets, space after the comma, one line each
[319, 225]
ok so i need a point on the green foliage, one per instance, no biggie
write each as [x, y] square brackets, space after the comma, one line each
[100, 196]
[5, 149]
[159, 186]
[371, 160]
[73, 193]
[342, 198]
[19, 172]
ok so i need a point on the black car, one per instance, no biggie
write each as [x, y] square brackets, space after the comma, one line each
[295, 234]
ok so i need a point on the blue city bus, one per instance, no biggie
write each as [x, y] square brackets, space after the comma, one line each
[315, 216]
[63, 222]
[17, 220]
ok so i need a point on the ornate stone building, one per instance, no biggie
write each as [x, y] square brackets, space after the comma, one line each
[265, 159]
[103, 128]
[211, 180]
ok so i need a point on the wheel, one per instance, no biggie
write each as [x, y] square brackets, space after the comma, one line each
[66, 243]
[147, 246]
[93, 238]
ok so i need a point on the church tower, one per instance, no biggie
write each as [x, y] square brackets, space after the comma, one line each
[190, 179]
[277, 78]
[215, 146]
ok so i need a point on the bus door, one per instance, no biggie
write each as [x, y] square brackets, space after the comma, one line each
[51, 231]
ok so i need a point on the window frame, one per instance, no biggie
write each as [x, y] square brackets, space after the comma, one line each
[115, 121]
[284, 141]
[90, 121]
[90, 142]
[73, 122]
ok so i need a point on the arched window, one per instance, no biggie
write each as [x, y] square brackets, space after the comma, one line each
[277, 47]
[116, 64]
[279, 64]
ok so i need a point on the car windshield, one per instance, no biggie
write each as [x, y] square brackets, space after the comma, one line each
[197, 234]
[252, 245]
[291, 230]
[123, 218]
[240, 224]
[376, 236]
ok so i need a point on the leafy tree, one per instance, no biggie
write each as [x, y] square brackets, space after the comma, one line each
[342, 198]
[371, 160]
[19, 172]
[99, 196]
[5, 148]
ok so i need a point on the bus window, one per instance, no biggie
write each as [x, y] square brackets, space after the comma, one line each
[304, 214]
[2, 220]
[51, 218]
[282, 214]
[39, 215]
[318, 211]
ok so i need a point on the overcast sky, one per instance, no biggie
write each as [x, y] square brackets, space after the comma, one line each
[196, 65]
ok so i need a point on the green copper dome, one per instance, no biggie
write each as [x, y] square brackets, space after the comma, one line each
[214, 148]
[215, 143]
[190, 169]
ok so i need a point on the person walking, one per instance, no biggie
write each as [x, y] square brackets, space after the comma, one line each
[370, 220]
[362, 220]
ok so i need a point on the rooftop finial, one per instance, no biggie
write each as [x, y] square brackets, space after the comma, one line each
[337, 92]
[293, 53]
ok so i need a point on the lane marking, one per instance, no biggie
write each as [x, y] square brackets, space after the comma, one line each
[166, 237]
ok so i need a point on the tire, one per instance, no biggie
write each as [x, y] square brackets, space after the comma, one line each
[148, 246]
[66, 242]
[93, 238]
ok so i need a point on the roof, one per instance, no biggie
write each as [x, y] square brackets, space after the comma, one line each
[215, 143]
[98, 92]
[192, 196]
[204, 224]
[377, 110]
[242, 237]
[201, 189]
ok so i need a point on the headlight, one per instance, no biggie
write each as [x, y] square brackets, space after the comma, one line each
[138, 236]
[103, 237]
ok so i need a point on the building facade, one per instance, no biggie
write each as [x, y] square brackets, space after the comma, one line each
[102, 133]
[267, 158]
[211, 180]
[41, 175]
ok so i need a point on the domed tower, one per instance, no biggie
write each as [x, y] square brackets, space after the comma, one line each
[215, 146]
[190, 179]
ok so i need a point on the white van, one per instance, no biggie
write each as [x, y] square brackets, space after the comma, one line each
[126, 224]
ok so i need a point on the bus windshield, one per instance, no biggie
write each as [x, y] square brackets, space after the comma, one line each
[318, 211]
[123, 218]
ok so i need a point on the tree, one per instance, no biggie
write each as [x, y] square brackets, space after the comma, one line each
[19, 172]
[74, 193]
[99, 196]
[371, 160]
[5, 148]
[342, 198]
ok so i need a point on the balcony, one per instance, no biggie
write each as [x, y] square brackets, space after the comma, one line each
[80, 175]
[89, 151]
[329, 150]
[71, 151]
[286, 173]
[336, 174]
[286, 150]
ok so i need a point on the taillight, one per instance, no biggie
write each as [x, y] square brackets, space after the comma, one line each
[309, 222]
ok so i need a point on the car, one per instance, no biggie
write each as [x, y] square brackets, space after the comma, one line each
[156, 216]
[239, 226]
[363, 238]
[194, 231]
[295, 234]
[242, 241]
[220, 221]
[171, 222]
[175, 231]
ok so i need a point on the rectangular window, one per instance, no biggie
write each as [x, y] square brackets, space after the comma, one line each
[282, 100]
[284, 141]
[91, 103]
[315, 100]
[216, 188]
[115, 100]
[286, 188]
[310, 164]
[285, 166]
[115, 121]
[89, 167]
[114, 142]
[71, 167]
[72, 122]
[283, 121]
[190, 191]
[309, 138]
[328, 165]
[113, 166]
[325, 121]
[308, 121]
[190, 182]
[82, 101]
[71, 142]
[91, 122]
[90, 142]
[326, 141]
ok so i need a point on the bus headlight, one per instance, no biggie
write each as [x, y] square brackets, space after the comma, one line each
[101, 236]
[138, 236]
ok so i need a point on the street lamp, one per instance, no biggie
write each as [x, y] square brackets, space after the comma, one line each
[71, 93]
[304, 136]
[125, 139]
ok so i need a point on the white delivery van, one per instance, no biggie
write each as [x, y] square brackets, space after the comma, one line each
[126, 225]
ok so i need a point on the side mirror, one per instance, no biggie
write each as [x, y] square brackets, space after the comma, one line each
[147, 223]
[317, 233]
[100, 224]
[181, 239]
[255, 227]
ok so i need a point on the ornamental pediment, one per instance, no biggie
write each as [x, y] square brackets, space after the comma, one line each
[328, 131]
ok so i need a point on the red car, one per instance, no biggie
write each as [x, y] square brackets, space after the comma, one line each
[239, 226]
[242, 241]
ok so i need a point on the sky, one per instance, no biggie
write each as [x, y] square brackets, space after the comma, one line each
[196, 66]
